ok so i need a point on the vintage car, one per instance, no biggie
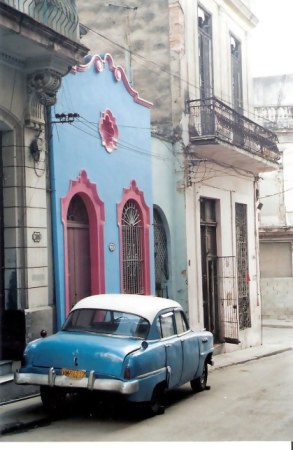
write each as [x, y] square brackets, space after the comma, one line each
[136, 346]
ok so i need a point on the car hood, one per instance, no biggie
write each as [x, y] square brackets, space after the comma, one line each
[81, 351]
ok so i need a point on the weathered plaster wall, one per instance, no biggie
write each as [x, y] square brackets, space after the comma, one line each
[280, 289]
[138, 39]
[274, 105]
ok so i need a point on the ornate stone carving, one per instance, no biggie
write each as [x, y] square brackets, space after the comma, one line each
[42, 87]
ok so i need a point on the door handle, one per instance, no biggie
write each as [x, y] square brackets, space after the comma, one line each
[204, 340]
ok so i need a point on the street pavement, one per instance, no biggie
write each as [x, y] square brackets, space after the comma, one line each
[277, 337]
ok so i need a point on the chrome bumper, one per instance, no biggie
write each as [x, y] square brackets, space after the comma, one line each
[90, 382]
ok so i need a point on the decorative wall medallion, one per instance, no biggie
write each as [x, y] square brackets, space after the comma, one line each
[108, 131]
[36, 236]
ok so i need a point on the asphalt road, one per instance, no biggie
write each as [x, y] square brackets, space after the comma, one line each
[246, 402]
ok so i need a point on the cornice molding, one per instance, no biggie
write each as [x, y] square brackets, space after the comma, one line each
[119, 74]
[12, 61]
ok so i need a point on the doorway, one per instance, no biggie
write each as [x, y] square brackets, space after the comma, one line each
[79, 264]
[208, 226]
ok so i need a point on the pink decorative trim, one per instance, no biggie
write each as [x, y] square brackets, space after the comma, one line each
[133, 193]
[108, 130]
[95, 209]
[118, 73]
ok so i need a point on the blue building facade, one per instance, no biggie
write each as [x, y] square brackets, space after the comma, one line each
[102, 205]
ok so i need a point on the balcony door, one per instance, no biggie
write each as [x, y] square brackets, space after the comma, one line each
[205, 70]
[237, 92]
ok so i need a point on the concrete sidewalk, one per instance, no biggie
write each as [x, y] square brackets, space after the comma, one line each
[277, 338]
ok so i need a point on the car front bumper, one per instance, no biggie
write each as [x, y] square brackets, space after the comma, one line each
[88, 382]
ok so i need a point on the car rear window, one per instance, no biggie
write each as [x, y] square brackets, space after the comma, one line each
[109, 322]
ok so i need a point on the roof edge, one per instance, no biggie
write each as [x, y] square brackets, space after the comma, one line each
[119, 74]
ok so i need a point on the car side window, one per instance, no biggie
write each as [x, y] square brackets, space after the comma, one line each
[165, 325]
[181, 322]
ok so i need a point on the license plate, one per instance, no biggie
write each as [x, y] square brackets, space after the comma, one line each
[73, 373]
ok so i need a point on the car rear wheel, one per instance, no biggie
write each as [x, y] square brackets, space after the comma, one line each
[53, 399]
[156, 405]
[199, 384]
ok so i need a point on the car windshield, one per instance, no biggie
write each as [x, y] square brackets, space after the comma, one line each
[110, 322]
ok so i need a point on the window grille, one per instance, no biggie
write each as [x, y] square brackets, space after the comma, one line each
[132, 249]
[242, 265]
[229, 329]
[161, 254]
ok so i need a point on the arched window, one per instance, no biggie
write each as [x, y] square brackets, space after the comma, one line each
[134, 221]
[132, 249]
[161, 255]
[77, 211]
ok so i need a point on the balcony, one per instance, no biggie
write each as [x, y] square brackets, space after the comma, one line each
[218, 133]
[40, 35]
[59, 15]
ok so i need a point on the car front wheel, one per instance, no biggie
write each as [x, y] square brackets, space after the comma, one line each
[199, 384]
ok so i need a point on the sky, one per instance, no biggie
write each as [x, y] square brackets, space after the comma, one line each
[272, 52]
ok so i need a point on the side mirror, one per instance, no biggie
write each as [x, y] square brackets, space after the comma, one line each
[144, 345]
[43, 333]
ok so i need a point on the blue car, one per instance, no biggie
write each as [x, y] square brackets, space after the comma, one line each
[136, 346]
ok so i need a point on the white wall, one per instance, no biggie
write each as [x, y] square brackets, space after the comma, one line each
[229, 187]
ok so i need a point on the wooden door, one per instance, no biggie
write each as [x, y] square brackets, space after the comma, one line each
[79, 264]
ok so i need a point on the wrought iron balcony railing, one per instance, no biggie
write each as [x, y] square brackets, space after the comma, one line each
[59, 15]
[214, 120]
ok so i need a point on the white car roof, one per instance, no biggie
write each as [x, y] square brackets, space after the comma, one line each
[146, 306]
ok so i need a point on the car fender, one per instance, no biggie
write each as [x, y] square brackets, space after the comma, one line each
[148, 367]
[205, 351]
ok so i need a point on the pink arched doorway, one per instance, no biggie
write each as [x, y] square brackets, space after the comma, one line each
[83, 220]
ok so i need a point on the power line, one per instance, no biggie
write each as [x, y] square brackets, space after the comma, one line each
[124, 145]
[162, 69]
[277, 193]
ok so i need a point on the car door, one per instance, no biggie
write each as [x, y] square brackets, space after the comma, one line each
[173, 347]
[190, 347]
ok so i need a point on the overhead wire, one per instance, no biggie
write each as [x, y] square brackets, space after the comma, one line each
[125, 144]
[168, 72]
[277, 193]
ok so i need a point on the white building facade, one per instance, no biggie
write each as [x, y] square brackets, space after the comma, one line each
[274, 109]
[191, 60]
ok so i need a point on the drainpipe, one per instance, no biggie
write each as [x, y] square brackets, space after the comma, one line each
[51, 189]
[256, 233]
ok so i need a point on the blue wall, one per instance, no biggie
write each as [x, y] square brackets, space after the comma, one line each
[78, 146]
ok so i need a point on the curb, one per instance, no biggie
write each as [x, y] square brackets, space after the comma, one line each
[252, 358]
[19, 427]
